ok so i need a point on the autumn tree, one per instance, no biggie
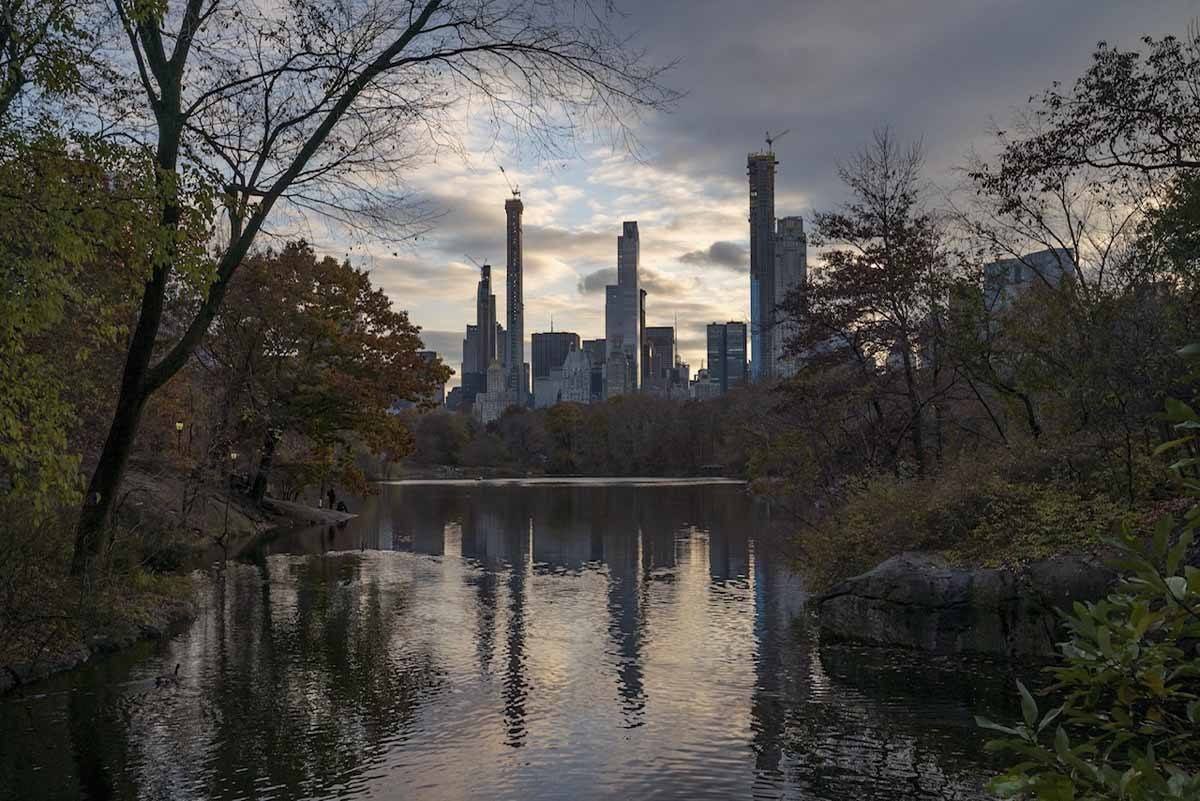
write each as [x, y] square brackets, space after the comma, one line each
[880, 298]
[255, 112]
[311, 348]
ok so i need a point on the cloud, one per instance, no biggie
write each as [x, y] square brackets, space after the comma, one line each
[654, 282]
[730, 255]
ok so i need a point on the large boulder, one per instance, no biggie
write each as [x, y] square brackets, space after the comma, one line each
[918, 600]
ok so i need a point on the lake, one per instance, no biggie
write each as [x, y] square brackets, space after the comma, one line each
[509, 640]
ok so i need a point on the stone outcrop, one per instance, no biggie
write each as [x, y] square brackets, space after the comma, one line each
[918, 600]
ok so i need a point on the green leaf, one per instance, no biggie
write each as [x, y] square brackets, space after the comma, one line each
[1029, 708]
[984, 723]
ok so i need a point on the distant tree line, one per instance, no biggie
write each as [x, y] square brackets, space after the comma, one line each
[632, 435]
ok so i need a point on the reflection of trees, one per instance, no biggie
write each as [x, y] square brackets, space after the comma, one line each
[303, 699]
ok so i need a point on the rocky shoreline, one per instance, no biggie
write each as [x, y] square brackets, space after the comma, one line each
[164, 616]
[159, 621]
[920, 601]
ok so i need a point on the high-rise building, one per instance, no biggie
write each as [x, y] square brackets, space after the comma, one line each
[485, 319]
[514, 276]
[727, 355]
[550, 351]
[622, 315]
[761, 169]
[659, 354]
[791, 271]
[1005, 280]
[577, 377]
[597, 351]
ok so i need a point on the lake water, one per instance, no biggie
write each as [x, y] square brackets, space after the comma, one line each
[509, 640]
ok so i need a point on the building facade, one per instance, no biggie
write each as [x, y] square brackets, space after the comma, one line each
[659, 358]
[597, 351]
[727, 355]
[550, 350]
[622, 315]
[760, 168]
[515, 297]
[791, 271]
[1005, 280]
[491, 404]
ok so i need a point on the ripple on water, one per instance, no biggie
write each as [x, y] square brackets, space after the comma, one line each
[529, 640]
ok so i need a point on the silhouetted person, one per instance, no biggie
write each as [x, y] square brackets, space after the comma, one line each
[332, 498]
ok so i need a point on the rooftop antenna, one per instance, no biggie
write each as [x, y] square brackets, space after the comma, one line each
[516, 190]
[771, 140]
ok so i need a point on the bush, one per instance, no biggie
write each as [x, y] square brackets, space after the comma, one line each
[990, 509]
[1129, 679]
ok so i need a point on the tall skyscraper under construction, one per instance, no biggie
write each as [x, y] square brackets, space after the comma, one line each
[761, 169]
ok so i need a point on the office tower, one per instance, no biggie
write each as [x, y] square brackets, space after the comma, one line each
[1005, 280]
[622, 315]
[550, 351]
[515, 352]
[735, 373]
[473, 376]
[727, 355]
[485, 319]
[791, 271]
[597, 350]
[761, 169]
[660, 357]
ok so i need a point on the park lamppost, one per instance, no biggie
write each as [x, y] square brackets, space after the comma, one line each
[179, 437]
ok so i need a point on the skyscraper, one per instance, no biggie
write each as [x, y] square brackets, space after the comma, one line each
[761, 169]
[597, 351]
[622, 314]
[485, 319]
[727, 355]
[791, 271]
[515, 378]
[659, 353]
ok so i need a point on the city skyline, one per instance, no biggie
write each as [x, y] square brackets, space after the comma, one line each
[688, 189]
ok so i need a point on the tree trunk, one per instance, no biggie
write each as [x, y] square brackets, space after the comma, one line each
[259, 490]
[917, 426]
[94, 526]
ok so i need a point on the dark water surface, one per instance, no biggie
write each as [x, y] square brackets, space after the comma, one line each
[516, 640]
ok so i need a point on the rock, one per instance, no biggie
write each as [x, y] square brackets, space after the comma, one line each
[918, 600]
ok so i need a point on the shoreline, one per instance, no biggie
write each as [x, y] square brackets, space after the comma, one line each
[163, 616]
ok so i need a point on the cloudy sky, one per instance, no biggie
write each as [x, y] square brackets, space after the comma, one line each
[945, 71]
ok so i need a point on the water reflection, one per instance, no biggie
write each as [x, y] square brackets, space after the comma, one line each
[474, 640]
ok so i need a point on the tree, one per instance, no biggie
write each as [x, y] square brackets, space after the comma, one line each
[880, 298]
[260, 110]
[1129, 688]
[67, 266]
[311, 348]
[42, 46]
[1127, 112]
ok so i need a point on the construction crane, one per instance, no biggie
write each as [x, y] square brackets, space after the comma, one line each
[772, 139]
[468, 257]
[516, 190]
